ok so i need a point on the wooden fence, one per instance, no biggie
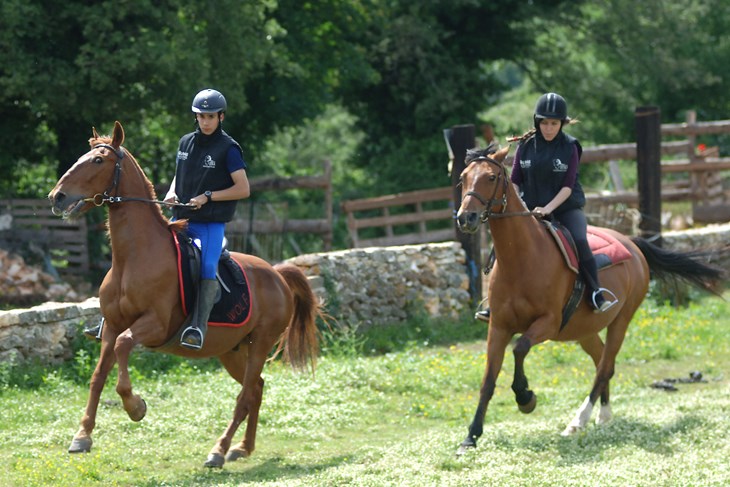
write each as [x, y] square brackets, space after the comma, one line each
[404, 218]
[255, 222]
[703, 187]
[30, 226]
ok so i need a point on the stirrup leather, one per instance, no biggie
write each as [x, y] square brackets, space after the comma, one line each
[607, 304]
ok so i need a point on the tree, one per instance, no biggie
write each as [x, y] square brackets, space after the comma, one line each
[610, 56]
[429, 58]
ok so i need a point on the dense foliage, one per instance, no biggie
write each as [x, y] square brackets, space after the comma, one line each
[369, 85]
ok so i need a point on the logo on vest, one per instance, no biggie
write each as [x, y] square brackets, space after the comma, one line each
[559, 166]
[209, 162]
[525, 163]
[182, 156]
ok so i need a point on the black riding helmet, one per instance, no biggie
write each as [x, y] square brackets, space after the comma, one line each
[551, 105]
[209, 101]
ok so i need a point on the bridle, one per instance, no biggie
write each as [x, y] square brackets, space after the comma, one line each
[489, 211]
[100, 199]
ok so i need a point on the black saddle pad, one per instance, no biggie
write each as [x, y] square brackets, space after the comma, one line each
[234, 306]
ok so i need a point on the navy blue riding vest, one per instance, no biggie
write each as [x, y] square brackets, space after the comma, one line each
[201, 166]
[544, 165]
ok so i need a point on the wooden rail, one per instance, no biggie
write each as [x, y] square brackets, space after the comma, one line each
[606, 209]
[401, 218]
[256, 219]
[32, 225]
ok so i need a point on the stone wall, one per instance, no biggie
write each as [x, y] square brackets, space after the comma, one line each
[386, 285]
[362, 287]
[45, 331]
[716, 237]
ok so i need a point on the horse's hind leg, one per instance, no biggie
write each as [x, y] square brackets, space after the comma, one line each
[593, 346]
[245, 365]
[604, 357]
[82, 440]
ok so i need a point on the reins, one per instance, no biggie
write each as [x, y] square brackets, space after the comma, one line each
[100, 199]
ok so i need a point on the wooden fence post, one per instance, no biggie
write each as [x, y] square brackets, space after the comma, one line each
[459, 139]
[648, 160]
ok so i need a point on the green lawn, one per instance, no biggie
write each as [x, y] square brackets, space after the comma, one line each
[396, 418]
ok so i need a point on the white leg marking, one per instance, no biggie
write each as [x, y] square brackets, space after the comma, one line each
[581, 418]
[604, 414]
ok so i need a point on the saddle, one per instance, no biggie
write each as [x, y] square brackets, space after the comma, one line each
[606, 249]
[233, 303]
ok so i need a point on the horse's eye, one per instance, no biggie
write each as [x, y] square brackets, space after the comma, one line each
[97, 160]
[492, 177]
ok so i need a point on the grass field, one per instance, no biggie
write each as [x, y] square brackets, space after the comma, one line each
[391, 410]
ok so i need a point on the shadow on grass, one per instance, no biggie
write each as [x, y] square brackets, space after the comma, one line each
[590, 445]
[273, 469]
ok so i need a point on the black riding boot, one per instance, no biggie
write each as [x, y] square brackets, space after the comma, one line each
[589, 271]
[194, 335]
[94, 332]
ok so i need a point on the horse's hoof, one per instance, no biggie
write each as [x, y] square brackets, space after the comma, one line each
[80, 445]
[235, 454]
[215, 461]
[463, 449]
[466, 445]
[139, 412]
[530, 406]
[570, 431]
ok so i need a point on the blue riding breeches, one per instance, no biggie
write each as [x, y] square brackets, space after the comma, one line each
[210, 235]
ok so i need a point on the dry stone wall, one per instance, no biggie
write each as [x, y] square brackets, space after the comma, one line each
[386, 285]
[362, 287]
[44, 332]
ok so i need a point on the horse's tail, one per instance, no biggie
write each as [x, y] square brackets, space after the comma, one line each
[692, 267]
[300, 341]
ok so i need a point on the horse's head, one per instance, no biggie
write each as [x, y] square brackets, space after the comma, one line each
[483, 187]
[91, 178]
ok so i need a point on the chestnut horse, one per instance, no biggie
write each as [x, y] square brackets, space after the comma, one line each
[141, 302]
[530, 283]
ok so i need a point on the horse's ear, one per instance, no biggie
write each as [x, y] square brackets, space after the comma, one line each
[501, 154]
[94, 134]
[118, 135]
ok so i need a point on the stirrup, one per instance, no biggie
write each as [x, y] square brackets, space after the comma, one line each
[483, 315]
[605, 305]
[192, 338]
[95, 332]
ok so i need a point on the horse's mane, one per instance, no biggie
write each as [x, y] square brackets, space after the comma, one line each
[176, 226]
[478, 152]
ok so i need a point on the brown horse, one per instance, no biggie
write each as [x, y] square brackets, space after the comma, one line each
[530, 284]
[141, 302]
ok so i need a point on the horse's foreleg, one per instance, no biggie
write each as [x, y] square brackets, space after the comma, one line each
[82, 440]
[497, 341]
[134, 405]
[540, 330]
[526, 399]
